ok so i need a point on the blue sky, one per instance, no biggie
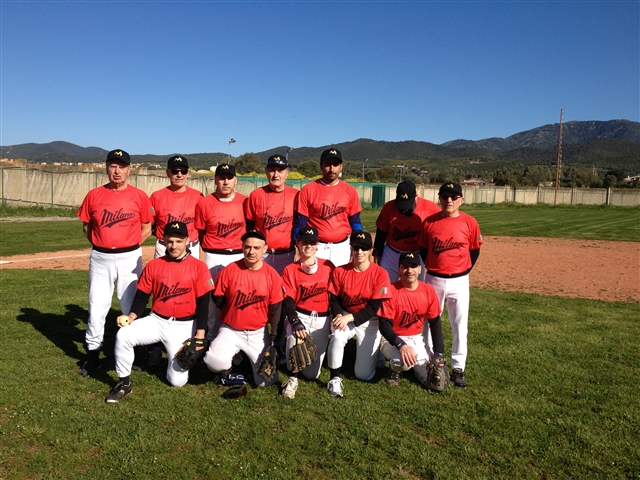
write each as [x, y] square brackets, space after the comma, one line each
[185, 77]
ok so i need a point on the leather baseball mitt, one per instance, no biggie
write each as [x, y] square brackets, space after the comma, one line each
[438, 375]
[302, 354]
[268, 366]
[188, 356]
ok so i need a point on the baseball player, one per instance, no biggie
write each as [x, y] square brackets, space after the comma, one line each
[180, 286]
[332, 207]
[306, 304]
[220, 223]
[450, 246]
[116, 219]
[250, 294]
[269, 209]
[399, 225]
[402, 318]
[176, 203]
[357, 290]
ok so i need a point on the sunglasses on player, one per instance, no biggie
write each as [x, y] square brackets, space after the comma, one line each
[176, 171]
[452, 197]
[360, 247]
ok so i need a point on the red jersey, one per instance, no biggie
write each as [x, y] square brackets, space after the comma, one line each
[170, 206]
[408, 309]
[222, 222]
[357, 288]
[328, 208]
[116, 216]
[309, 291]
[403, 230]
[449, 240]
[248, 294]
[175, 285]
[273, 214]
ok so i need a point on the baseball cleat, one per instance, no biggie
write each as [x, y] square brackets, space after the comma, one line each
[289, 388]
[394, 379]
[235, 392]
[457, 376]
[118, 392]
[335, 387]
[89, 366]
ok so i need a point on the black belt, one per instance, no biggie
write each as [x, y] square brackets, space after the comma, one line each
[307, 312]
[181, 319]
[341, 241]
[116, 250]
[284, 250]
[191, 244]
[447, 275]
[222, 252]
[397, 251]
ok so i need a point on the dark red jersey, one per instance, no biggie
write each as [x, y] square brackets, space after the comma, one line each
[222, 222]
[170, 206]
[403, 230]
[309, 291]
[408, 309]
[272, 213]
[357, 288]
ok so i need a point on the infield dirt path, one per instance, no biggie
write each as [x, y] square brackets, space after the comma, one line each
[593, 269]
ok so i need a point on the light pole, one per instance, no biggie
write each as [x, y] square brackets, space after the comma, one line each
[233, 140]
[287, 154]
[363, 168]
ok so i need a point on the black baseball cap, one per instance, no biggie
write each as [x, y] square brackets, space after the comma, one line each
[176, 228]
[409, 258]
[405, 195]
[177, 161]
[278, 160]
[330, 153]
[254, 234]
[226, 169]
[361, 239]
[118, 156]
[451, 187]
[308, 234]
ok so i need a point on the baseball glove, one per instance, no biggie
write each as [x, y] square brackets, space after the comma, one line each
[302, 354]
[268, 366]
[188, 356]
[438, 375]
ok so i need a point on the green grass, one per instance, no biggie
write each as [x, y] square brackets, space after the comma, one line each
[11, 211]
[552, 394]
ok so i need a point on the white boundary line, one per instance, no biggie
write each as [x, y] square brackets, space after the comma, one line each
[3, 262]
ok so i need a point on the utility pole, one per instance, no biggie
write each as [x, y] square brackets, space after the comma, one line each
[233, 140]
[363, 162]
[559, 161]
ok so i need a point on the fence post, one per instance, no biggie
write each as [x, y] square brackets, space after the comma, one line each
[51, 173]
[2, 173]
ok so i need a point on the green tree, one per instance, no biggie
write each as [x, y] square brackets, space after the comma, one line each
[248, 163]
[309, 169]
[387, 174]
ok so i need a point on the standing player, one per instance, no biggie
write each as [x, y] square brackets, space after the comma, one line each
[332, 207]
[176, 203]
[269, 209]
[250, 294]
[357, 290]
[180, 285]
[116, 219]
[306, 304]
[450, 246]
[220, 223]
[399, 225]
[402, 318]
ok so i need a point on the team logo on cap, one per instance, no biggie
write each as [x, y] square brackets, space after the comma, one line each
[277, 159]
[309, 232]
[177, 159]
[333, 152]
[405, 196]
[409, 255]
[449, 185]
[224, 167]
[360, 235]
[119, 153]
[175, 225]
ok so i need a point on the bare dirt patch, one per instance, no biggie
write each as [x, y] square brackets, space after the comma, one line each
[593, 269]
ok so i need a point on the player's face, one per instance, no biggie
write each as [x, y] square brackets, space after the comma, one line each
[276, 177]
[307, 249]
[253, 249]
[176, 246]
[225, 185]
[178, 176]
[450, 203]
[409, 272]
[118, 173]
[331, 170]
[360, 253]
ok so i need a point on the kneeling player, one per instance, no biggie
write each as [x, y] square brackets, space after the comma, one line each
[402, 319]
[180, 285]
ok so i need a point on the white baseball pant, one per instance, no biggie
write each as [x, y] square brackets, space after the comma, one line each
[229, 342]
[105, 269]
[392, 354]
[147, 331]
[338, 253]
[367, 341]
[454, 293]
[319, 327]
[161, 249]
[216, 262]
[279, 260]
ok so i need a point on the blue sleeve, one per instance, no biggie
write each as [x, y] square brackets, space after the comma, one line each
[355, 222]
[299, 221]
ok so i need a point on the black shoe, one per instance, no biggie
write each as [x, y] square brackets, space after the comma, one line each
[394, 379]
[90, 365]
[458, 378]
[118, 392]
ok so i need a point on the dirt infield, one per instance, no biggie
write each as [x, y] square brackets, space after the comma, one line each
[593, 269]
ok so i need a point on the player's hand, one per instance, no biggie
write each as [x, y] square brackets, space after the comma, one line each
[408, 355]
[199, 336]
[340, 322]
[123, 320]
[301, 334]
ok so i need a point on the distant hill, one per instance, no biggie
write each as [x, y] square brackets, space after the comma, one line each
[30, 150]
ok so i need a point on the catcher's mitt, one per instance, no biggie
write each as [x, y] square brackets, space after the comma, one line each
[302, 354]
[268, 366]
[438, 375]
[188, 356]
